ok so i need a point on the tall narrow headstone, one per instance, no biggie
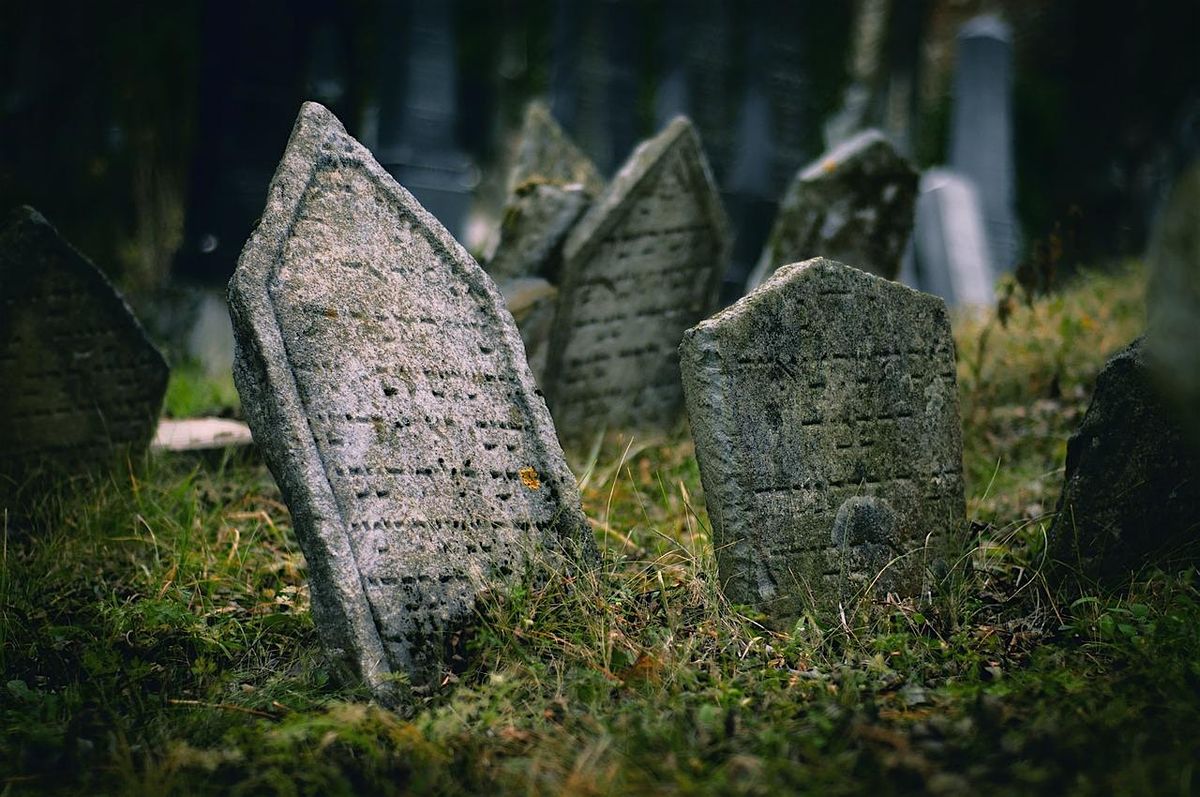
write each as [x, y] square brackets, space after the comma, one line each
[549, 187]
[951, 254]
[854, 204]
[80, 386]
[640, 268]
[981, 133]
[388, 392]
[825, 415]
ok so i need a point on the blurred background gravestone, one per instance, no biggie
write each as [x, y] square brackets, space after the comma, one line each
[950, 251]
[981, 138]
[80, 385]
[854, 204]
[147, 131]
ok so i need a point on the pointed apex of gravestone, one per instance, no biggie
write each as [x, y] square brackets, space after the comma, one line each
[854, 204]
[81, 386]
[546, 154]
[642, 168]
[986, 26]
[387, 389]
[642, 266]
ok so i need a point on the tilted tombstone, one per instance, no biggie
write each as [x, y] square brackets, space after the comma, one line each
[825, 416]
[949, 243]
[80, 385]
[549, 187]
[854, 204]
[641, 267]
[981, 132]
[388, 392]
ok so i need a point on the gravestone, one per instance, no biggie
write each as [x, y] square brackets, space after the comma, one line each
[1174, 297]
[80, 386]
[981, 131]
[854, 204]
[549, 187]
[387, 390]
[825, 415]
[1131, 494]
[950, 246]
[641, 267]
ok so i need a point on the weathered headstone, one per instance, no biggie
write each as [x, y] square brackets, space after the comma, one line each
[549, 187]
[388, 392]
[1131, 495]
[1173, 336]
[641, 267]
[854, 204]
[981, 133]
[80, 386]
[949, 242]
[825, 415]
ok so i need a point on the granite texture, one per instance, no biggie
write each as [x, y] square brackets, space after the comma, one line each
[387, 389]
[80, 385]
[641, 267]
[854, 204]
[825, 415]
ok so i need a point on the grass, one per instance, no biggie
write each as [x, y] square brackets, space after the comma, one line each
[156, 639]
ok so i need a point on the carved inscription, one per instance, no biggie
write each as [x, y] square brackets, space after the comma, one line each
[824, 388]
[437, 454]
[644, 267]
[79, 383]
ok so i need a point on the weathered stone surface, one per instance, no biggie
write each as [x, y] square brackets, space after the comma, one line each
[532, 301]
[80, 386]
[549, 187]
[388, 392]
[1131, 495]
[1173, 336]
[825, 415]
[854, 204]
[641, 267]
[950, 244]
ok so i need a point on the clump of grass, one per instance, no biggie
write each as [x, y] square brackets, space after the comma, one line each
[157, 640]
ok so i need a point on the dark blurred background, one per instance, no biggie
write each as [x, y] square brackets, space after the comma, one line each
[148, 132]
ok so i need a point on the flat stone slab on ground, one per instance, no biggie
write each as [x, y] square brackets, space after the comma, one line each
[854, 204]
[80, 385]
[825, 415]
[200, 434]
[388, 392]
[640, 268]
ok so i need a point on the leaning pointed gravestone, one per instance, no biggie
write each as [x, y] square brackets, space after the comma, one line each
[853, 204]
[640, 268]
[387, 389]
[825, 415]
[549, 187]
[80, 385]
